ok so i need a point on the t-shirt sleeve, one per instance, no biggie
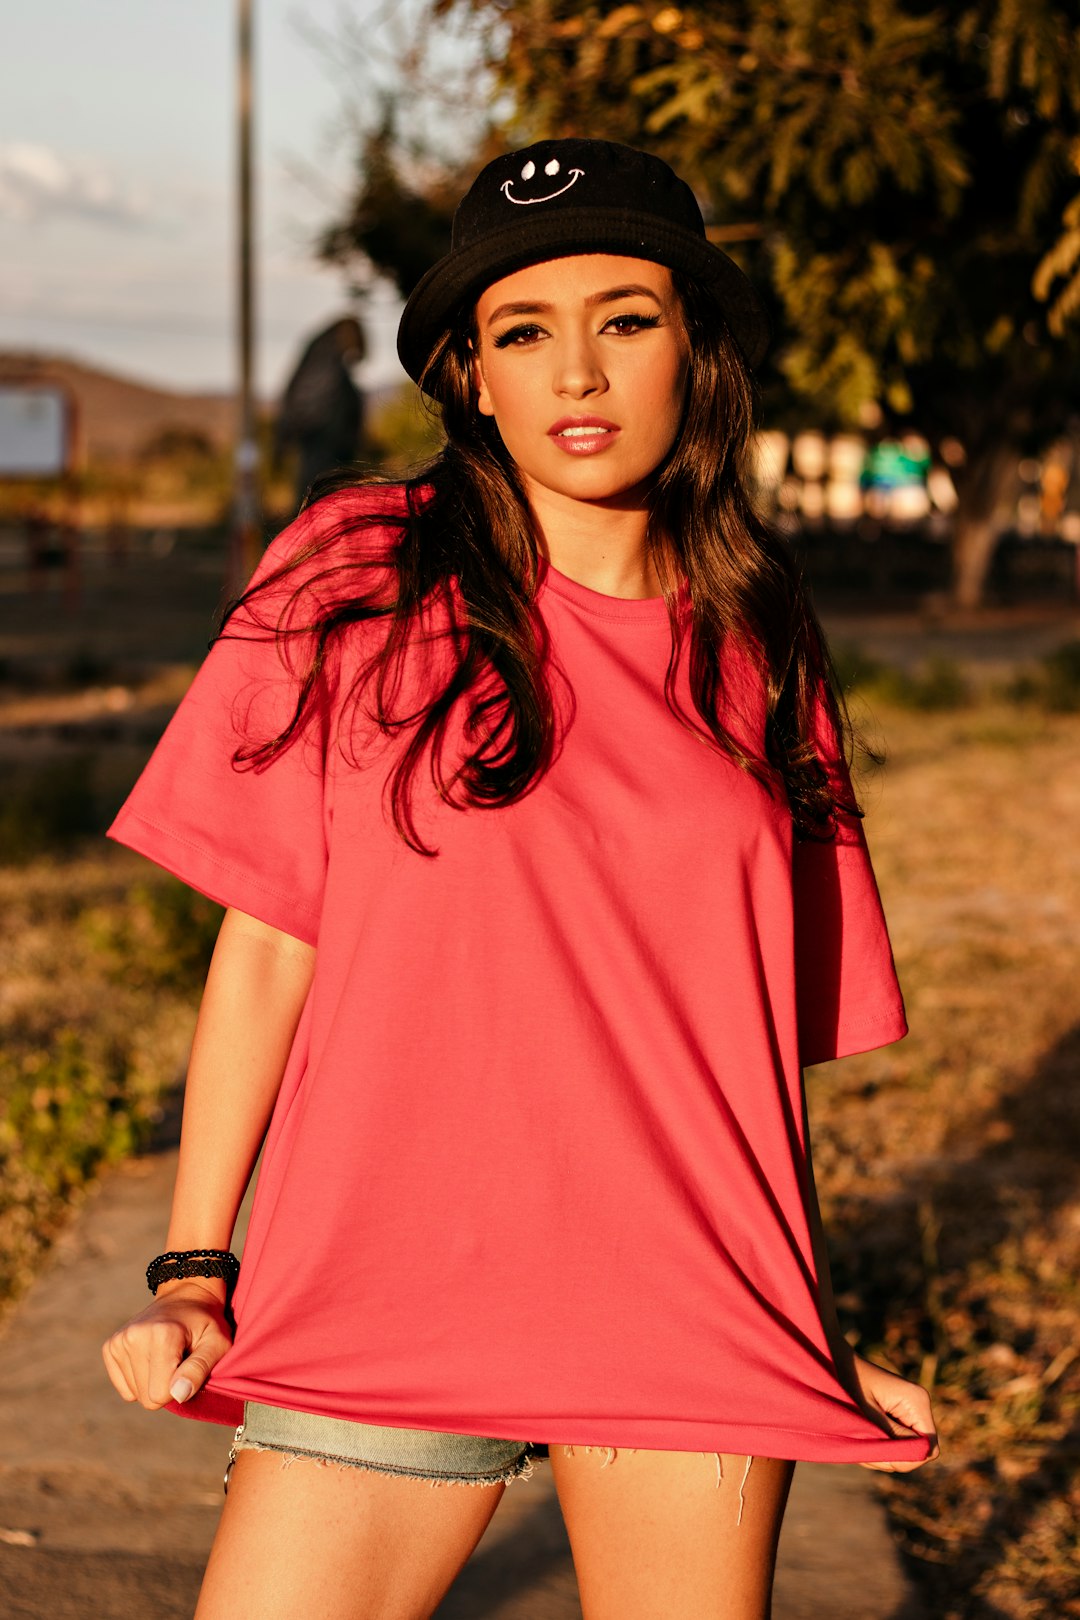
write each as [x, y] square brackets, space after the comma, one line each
[252, 836]
[848, 995]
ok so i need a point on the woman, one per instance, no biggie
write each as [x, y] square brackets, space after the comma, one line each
[525, 790]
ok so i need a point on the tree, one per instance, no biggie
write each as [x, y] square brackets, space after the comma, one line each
[891, 172]
[1063, 263]
[399, 222]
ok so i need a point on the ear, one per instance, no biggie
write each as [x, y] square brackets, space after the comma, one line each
[483, 398]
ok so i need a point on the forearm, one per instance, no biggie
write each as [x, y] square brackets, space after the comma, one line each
[255, 991]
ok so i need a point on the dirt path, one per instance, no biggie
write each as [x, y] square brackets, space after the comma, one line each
[108, 1511]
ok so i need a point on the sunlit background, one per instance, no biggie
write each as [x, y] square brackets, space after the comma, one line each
[903, 183]
[117, 185]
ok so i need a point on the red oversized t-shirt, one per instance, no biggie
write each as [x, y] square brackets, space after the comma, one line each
[536, 1169]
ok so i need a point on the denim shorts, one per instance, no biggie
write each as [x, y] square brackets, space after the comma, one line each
[441, 1459]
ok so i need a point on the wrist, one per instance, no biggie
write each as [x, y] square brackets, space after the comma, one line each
[211, 1265]
[211, 1289]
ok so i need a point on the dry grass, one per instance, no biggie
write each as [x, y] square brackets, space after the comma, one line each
[948, 1162]
[100, 963]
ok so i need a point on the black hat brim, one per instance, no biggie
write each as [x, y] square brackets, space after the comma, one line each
[464, 273]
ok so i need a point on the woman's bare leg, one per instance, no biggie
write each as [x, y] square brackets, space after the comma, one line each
[668, 1533]
[315, 1541]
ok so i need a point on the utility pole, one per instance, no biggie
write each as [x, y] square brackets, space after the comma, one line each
[245, 547]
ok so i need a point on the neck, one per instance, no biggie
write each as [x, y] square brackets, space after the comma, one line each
[600, 546]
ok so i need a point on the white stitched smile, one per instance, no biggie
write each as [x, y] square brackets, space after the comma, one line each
[575, 175]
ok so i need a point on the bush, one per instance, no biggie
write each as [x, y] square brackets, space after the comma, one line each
[47, 807]
[854, 666]
[162, 939]
[65, 1114]
[937, 687]
[403, 433]
[62, 1117]
[1062, 678]
[1054, 685]
[93, 1044]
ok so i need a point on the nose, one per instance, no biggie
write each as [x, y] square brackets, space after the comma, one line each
[579, 372]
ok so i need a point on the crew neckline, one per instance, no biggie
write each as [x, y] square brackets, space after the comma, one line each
[647, 609]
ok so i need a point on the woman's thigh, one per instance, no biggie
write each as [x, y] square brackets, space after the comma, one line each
[309, 1541]
[687, 1535]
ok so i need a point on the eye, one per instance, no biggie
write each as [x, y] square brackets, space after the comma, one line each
[521, 337]
[529, 170]
[626, 324]
[552, 167]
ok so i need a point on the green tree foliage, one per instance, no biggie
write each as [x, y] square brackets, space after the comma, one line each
[1062, 265]
[893, 173]
[400, 226]
[399, 217]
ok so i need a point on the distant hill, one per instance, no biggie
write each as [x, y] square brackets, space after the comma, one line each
[118, 418]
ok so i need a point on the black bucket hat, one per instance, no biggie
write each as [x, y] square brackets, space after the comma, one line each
[574, 196]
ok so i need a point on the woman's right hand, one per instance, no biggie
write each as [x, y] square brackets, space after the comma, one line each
[166, 1352]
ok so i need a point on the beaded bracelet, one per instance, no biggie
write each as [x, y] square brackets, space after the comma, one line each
[193, 1263]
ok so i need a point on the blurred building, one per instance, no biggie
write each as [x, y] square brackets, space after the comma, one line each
[898, 495]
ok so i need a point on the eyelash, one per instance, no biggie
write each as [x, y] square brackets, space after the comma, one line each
[510, 337]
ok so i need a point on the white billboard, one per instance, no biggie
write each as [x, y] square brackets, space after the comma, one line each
[34, 430]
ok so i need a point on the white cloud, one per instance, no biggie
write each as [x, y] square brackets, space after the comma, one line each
[38, 183]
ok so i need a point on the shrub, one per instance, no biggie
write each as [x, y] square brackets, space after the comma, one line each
[937, 687]
[162, 939]
[1062, 679]
[1054, 685]
[62, 1116]
[47, 806]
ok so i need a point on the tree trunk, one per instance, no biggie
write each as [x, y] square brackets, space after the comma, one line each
[985, 487]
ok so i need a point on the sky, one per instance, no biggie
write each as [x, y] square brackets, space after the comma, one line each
[117, 189]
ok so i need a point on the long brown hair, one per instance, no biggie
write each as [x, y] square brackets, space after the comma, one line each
[465, 518]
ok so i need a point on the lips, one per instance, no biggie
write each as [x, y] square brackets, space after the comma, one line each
[583, 435]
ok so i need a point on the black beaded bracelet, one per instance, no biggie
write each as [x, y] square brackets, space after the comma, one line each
[193, 1263]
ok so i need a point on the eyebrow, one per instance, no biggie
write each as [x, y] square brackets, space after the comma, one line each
[610, 296]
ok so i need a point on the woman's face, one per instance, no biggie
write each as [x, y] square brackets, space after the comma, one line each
[583, 364]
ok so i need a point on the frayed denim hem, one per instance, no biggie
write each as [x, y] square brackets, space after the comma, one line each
[521, 1468]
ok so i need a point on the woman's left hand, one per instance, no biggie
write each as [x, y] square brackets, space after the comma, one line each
[904, 1406]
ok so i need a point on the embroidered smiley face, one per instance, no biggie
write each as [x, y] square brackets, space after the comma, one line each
[551, 169]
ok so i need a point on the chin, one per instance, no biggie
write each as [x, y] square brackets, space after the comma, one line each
[591, 483]
[595, 492]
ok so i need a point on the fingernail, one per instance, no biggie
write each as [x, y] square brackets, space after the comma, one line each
[181, 1389]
